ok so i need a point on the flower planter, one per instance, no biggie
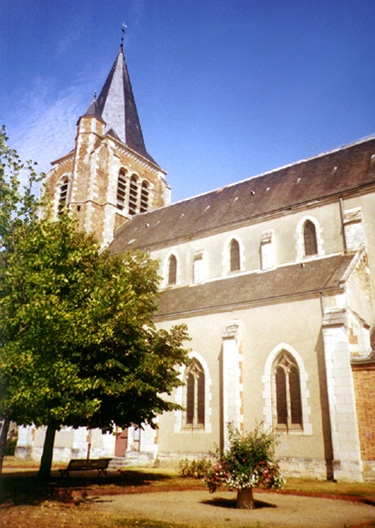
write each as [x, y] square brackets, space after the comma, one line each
[245, 499]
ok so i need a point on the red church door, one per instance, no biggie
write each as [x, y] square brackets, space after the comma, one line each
[121, 443]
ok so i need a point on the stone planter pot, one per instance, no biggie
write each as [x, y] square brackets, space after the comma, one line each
[245, 499]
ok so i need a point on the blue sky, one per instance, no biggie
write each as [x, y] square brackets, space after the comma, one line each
[225, 89]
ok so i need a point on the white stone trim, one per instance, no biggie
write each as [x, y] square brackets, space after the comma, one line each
[232, 378]
[347, 464]
[267, 250]
[200, 267]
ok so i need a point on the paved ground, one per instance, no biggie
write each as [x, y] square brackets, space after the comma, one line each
[199, 508]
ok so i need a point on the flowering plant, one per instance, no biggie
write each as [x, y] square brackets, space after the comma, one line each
[247, 462]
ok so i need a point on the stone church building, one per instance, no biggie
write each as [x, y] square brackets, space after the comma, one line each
[274, 277]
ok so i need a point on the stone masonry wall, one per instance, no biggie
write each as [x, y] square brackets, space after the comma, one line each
[364, 383]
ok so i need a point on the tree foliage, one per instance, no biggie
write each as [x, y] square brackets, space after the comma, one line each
[78, 344]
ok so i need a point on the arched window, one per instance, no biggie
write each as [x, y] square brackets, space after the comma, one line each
[309, 238]
[63, 194]
[121, 189]
[144, 197]
[133, 195]
[234, 249]
[195, 396]
[172, 270]
[287, 389]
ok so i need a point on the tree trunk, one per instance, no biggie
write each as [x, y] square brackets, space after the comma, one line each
[47, 456]
[245, 499]
[3, 439]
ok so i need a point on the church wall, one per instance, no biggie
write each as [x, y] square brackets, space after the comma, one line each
[364, 382]
[294, 326]
[172, 439]
[365, 220]
[69, 443]
[287, 243]
[359, 294]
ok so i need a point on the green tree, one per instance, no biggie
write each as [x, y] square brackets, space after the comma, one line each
[78, 344]
[18, 206]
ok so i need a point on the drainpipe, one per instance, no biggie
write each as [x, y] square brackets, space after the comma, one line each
[343, 225]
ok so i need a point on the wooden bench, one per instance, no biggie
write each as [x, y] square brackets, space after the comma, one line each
[82, 464]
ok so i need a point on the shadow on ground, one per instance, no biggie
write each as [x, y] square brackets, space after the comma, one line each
[25, 487]
[231, 503]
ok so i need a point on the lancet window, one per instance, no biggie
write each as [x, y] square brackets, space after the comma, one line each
[144, 197]
[309, 238]
[195, 396]
[63, 197]
[287, 391]
[234, 248]
[121, 189]
[133, 195]
[172, 270]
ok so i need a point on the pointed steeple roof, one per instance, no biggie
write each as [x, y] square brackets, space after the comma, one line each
[116, 106]
[93, 109]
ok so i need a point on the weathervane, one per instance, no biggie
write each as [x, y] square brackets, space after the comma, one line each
[124, 27]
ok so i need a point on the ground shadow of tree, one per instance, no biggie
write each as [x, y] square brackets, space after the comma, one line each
[20, 488]
[231, 503]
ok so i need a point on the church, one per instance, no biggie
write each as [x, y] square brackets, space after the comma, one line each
[274, 277]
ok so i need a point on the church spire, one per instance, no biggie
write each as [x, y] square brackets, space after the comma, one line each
[116, 106]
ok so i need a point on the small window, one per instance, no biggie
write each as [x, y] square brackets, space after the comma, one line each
[195, 396]
[144, 197]
[121, 189]
[133, 195]
[234, 255]
[63, 194]
[172, 270]
[309, 238]
[287, 393]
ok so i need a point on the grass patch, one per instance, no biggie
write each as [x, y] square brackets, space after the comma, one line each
[71, 502]
[322, 487]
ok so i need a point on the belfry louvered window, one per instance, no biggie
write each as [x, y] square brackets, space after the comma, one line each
[133, 195]
[172, 270]
[121, 189]
[235, 263]
[287, 389]
[63, 197]
[195, 396]
[309, 238]
[144, 197]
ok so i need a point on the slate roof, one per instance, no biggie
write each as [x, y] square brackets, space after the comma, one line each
[116, 106]
[326, 176]
[311, 277]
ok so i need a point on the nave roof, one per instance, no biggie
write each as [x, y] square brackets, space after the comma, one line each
[300, 279]
[323, 177]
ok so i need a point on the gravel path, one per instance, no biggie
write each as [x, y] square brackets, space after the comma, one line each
[199, 508]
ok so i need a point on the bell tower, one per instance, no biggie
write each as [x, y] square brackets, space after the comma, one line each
[109, 176]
